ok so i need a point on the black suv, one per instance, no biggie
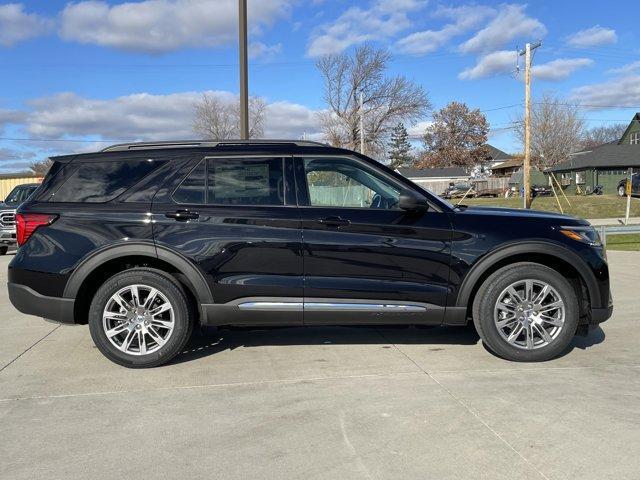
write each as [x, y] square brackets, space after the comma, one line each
[145, 241]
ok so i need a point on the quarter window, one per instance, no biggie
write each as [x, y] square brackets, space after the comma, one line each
[97, 182]
[192, 188]
[344, 182]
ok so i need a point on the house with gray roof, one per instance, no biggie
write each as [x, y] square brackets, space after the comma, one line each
[605, 165]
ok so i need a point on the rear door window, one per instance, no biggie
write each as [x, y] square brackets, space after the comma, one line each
[234, 181]
[99, 182]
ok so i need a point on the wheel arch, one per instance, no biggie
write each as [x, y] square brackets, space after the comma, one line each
[546, 253]
[94, 270]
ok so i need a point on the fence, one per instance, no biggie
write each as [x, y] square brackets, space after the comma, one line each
[617, 230]
[491, 183]
[9, 182]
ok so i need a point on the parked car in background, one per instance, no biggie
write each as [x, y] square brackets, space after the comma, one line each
[635, 185]
[459, 190]
[541, 191]
[19, 194]
[145, 242]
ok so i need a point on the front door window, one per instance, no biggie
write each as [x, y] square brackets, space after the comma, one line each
[345, 183]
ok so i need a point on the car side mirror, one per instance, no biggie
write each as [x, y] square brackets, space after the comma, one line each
[412, 202]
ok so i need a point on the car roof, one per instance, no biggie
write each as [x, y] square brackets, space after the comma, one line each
[175, 148]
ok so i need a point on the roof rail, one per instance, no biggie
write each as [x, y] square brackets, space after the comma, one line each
[205, 143]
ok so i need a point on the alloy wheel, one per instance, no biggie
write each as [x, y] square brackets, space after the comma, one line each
[138, 319]
[529, 314]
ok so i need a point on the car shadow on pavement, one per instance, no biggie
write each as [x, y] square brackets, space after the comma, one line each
[595, 336]
[210, 341]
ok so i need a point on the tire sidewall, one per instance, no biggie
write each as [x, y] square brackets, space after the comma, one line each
[496, 284]
[168, 287]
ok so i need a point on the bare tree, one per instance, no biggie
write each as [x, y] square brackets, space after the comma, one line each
[216, 119]
[597, 136]
[386, 100]
[41, 168]
[556, 130]
[456, 138]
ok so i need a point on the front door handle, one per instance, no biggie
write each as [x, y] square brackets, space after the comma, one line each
[335, 221]
[182, 215]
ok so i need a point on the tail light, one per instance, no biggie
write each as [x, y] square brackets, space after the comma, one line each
[27, 223]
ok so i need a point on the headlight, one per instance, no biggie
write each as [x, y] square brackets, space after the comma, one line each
[588, 235]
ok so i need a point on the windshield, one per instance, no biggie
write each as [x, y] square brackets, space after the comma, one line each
[20, 193]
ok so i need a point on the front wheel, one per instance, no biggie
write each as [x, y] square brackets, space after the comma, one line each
[140, 318]
[3, 250]
[526, 312]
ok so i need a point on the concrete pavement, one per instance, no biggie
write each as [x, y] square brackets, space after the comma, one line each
[323, 403]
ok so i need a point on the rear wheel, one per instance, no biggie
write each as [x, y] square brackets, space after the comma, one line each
[140, 318]
[3, 250]
[622, 191]
[526, 312]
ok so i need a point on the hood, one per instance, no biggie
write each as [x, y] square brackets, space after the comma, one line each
[557, 218]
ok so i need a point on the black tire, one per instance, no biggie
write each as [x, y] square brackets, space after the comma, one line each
[622, 191]
[184, 317]
[487, 297]
[3, 250]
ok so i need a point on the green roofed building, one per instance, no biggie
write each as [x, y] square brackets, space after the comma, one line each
[605, 165]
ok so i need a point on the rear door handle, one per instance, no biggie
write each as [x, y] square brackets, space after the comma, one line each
[335, 221]
[182, 215]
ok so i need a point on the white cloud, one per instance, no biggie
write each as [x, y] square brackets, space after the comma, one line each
[625, 69]
[11, 116]
[290, 120]
[384, 19]
[593, 36]
[148, 117]
[623, 92]
[510, 23]
[559, 69]
[159, 26]
[416, 132]
[464, 18]
[495, 63]
[264, 51]
[16, 25]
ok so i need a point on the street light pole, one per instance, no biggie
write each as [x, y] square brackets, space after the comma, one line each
[244, 81]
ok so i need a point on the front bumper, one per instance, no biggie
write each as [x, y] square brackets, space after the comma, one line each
[7, 237]
[31, 302]
[599, 315]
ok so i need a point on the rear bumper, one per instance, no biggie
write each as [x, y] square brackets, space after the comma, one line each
[31, 302]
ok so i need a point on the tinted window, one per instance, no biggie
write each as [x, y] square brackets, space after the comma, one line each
[245, 182]
[343, 182]
[20, 194]
[192, 188]
[97, 182]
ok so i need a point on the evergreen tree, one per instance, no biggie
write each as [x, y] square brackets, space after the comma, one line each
[399, 147]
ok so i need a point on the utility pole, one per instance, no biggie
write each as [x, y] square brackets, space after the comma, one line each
[244, 81]
[628, 188]
[526, 170]
[361, 124]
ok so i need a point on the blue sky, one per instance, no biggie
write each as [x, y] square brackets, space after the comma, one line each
[77, 75]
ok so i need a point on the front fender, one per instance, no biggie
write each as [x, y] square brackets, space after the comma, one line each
[533, 247]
